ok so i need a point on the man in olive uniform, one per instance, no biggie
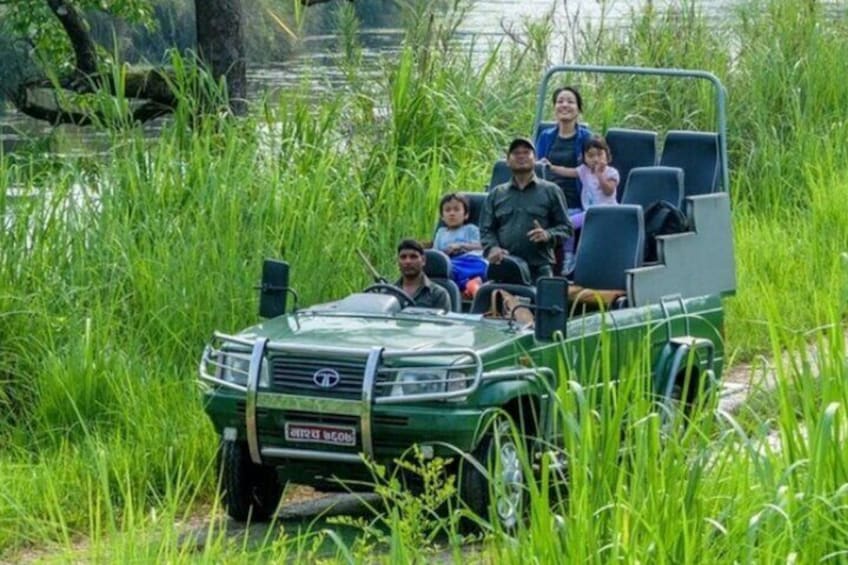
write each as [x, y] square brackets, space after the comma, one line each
[525, 216]
[414, 282]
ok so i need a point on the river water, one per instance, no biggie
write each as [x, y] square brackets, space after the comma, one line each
[486, 22]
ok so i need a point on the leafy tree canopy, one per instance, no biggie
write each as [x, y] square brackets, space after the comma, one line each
[55, 57]
[36, 23]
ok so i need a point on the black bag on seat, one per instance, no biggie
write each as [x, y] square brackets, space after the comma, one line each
[662, 218]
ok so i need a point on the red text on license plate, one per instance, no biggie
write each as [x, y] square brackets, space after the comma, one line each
[320, 433]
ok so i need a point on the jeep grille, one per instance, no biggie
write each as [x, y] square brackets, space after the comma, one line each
[294, 375]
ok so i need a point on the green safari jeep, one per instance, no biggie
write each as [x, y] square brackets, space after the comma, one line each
[307, 396]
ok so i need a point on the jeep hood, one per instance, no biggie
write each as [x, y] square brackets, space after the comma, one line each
[391, 332]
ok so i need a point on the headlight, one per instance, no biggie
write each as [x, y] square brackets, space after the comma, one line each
[413, 381]
[235, 366]
[457, 380]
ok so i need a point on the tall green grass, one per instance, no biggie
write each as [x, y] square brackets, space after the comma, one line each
[711, 494]
[116, 269]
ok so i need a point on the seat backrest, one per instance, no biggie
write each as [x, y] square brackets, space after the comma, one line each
[438, 269]
[501, 173]
[696, 152]
[631, 148]
[483, 299]
[475, 206]
[646, 185]
[612, 241]
[511, 270]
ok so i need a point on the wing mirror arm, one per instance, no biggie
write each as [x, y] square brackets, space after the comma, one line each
[270, 288]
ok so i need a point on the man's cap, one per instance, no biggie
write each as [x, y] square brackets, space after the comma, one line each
[518, 141]
[410, 244]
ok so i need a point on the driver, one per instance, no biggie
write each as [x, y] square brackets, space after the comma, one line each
[413, 281]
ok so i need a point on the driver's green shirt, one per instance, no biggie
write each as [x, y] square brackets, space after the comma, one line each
[429, 294]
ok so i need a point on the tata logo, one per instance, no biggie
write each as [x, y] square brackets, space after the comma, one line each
[326, 378]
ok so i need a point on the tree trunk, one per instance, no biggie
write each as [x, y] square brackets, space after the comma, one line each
[77, 29]
[220, 43]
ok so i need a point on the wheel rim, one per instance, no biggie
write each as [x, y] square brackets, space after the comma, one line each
[510, 490]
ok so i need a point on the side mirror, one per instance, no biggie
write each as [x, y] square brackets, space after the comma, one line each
[274, 288]
[551, 307]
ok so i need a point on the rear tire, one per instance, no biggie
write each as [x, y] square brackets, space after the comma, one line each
[248, 490]
[505, 495]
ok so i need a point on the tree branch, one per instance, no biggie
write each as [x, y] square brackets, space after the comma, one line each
[149, 111]
[151, 83]
[55, 116]
[76, 28]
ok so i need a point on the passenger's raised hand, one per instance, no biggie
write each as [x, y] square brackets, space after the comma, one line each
[538, 234]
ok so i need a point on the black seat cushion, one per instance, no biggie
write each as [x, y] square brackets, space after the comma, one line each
[612, 241]
[475, 206]
[646, 185]
[631, 148]
[512, 270]
[501, 173]
[453, 292]
[438, 269]
[697, 153]
[438, 265]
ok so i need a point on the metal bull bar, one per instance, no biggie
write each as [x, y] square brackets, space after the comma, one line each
[361, 408]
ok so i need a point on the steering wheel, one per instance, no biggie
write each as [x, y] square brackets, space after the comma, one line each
[383, 288]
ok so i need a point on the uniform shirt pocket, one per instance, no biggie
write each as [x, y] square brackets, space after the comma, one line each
[539, 213]
[504, 212]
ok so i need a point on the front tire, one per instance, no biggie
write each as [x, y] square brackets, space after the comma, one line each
[248, 490]
[499, 484]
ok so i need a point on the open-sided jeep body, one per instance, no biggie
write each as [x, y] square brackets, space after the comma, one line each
[306, 396]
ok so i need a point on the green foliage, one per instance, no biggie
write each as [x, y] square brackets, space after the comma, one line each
[35, 21]
[411, 519]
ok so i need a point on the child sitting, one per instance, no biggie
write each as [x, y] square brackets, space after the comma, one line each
[461, 242]
[599, 185]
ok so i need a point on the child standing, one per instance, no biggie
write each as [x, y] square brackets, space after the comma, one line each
[461, 242]
[599, 186]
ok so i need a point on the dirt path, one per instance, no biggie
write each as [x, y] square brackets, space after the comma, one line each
[737, 382]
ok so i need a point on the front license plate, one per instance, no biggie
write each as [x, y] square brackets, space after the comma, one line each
[320, 433]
